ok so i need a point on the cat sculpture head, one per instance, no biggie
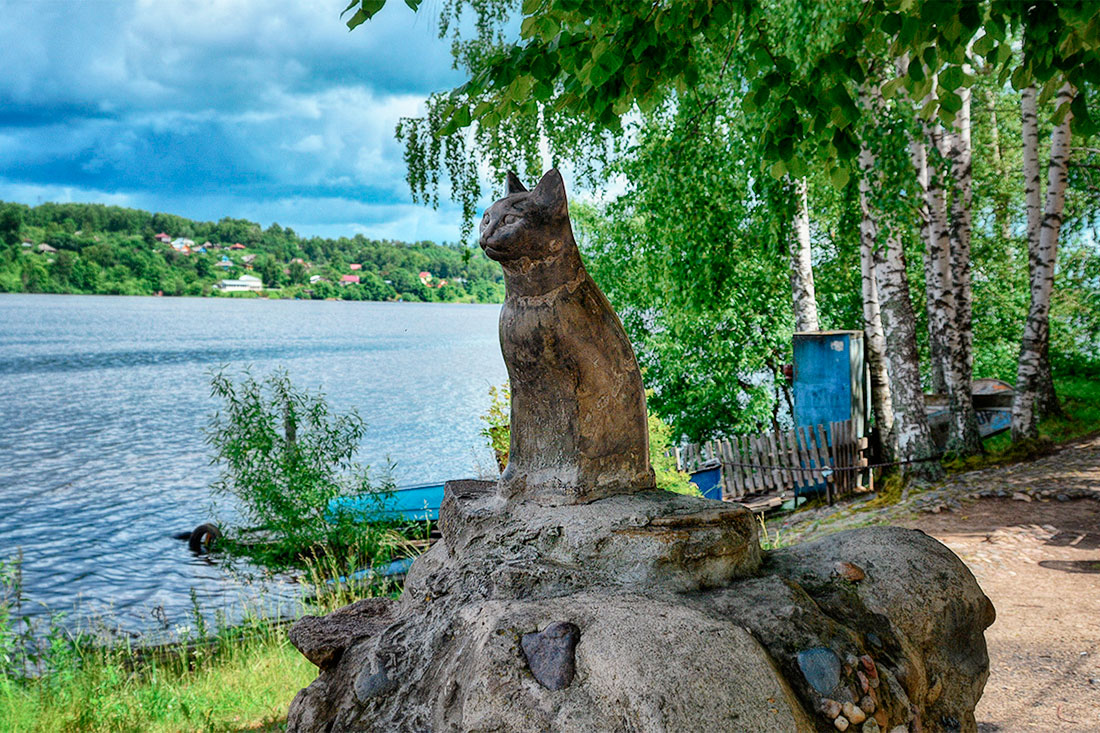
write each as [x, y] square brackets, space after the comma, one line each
[528, 224]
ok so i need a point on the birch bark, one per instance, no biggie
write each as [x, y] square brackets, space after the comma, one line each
[803, 296]
[1033, 380]
[913, 438]
[943, 321]
[874, 339]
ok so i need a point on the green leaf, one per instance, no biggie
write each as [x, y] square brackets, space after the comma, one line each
[983, 45]
[530, 6]
[1021, 77]
[839, 177]
[778, 169]
[890, 88]
[414, 5]
[951, 102]
[951, 78]
[367, 10]
[358, 19]
[930, 57]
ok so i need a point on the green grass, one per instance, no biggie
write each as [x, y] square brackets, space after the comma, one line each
[239, 678]
[245, 684]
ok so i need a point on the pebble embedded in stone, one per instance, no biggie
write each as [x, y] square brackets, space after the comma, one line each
[373, 684]
[550, 654]
[868, 665]
[867, 704]
[830, 708]
[864, 683]
[871, 726]
[841, 723]
[848, 571]
[821, 668]
[1018, 496]
[854, 713]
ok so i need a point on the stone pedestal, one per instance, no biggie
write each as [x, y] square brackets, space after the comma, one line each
[651, 611]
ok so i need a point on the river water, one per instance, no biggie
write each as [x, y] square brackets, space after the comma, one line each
[103, 405]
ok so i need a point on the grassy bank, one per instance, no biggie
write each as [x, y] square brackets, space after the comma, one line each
[246, 684]
[233, 678]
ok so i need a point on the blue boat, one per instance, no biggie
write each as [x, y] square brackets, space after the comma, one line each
[411, 503]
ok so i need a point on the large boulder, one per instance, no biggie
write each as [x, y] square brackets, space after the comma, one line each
[510, 625]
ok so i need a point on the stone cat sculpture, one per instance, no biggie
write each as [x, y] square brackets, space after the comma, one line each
[578, 424]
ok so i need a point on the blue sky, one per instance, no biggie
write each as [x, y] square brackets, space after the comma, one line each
[268, 110]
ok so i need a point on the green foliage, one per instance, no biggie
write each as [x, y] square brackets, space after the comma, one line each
[669, 478]
[112, 250]
[497, 419]
[285, 456]
[577, 68]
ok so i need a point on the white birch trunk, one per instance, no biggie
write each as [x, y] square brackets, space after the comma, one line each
[959, 156]
[803, 296]
[912, 436]
[874, 339]
[943, 325]
[1033, 368]
[929, 235]
[967, 439]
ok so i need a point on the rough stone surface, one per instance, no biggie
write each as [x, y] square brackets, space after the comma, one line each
[323, 639]
[572, 596]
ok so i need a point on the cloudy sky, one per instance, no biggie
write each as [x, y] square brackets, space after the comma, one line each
[268, 110]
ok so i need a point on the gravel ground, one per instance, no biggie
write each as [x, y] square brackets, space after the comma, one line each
[1030, 533]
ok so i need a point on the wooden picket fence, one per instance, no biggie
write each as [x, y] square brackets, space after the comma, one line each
[787, 461]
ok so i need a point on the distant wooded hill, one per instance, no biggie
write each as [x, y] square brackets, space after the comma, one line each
[93, 248]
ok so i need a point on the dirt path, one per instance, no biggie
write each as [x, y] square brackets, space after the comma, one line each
[1039, 562]
[1030, 533]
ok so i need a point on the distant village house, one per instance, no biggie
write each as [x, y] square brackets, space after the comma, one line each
[243, 284]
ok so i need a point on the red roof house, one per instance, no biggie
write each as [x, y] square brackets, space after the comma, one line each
[238, 245]
[356, 267]
[349, 279]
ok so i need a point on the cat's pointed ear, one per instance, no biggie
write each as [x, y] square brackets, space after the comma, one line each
[513, 185]
[550, 193]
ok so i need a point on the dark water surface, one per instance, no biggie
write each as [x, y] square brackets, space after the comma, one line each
[103, 403]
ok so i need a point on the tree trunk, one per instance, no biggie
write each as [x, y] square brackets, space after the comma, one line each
[874, 340]
[802, 273]
[1034, 386]
[1001, 212]
[958, 152]
[913, 438]
[959, 157]
[943, 324]
[929, 235]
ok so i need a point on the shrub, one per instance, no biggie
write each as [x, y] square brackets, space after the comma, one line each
[286, 456]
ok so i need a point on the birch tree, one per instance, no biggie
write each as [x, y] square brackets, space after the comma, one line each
[874, 338]
[803, 296]
[1034, 383]
[912, 436]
